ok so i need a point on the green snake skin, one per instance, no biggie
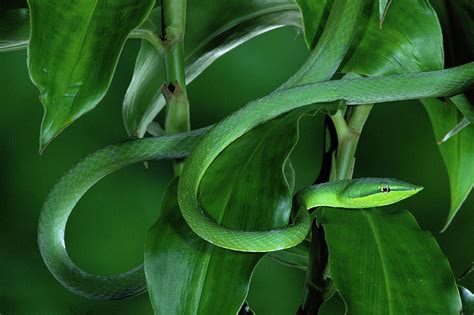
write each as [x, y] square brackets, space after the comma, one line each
[67, 192]
[353, 91]
[73, 186]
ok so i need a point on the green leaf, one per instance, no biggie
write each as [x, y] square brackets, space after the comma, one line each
[187, 275]
[212, 29]
[467, 110]
[383, 8]
[467, 299]
[378, 51]
[383, 263]
[457, 152]
[73, 51]
[243, 193]
[464, 106]
[295, 257]
[14, 29]
[314, 14]
[451, 131]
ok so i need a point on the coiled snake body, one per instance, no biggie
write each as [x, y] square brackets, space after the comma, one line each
[205, 145]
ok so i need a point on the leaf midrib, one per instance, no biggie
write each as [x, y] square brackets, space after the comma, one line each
[373, 229]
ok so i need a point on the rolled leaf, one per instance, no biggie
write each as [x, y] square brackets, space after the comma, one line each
[457, 152]
[463, 104]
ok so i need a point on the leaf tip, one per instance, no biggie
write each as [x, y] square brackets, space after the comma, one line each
[445, 227]
[49, 130]
[383, 11]
[448, 221]
[44, 140]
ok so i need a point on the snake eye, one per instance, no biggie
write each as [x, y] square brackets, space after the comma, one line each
[385, 189]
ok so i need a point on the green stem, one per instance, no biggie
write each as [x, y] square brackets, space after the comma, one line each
[172, 33]
[174, 65]
[348, 130]
[348, 135]
[316, 282]
[177, 110]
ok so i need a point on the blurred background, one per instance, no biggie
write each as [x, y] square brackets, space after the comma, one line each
[106, 231]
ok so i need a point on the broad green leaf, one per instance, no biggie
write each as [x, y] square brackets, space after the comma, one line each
[212, 29]
[383, 263]
[467, 299]
[187, 275]
[457, 152]
[243, 193]
[376, 51]
[73, 51]
[379, 51]
[14, 29]
[451, 131]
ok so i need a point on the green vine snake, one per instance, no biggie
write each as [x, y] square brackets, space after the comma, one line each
[204, 145]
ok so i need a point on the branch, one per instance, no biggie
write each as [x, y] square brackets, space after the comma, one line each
[177, 109]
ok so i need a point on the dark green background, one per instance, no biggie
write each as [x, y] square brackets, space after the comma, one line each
[106, 231]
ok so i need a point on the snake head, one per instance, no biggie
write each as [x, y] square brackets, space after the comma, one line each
[375, 192]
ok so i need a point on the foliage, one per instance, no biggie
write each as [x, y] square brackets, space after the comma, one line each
[239, 175]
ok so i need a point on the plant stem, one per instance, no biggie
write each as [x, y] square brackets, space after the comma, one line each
[316, 281]
[341, 161]
[177, 109]
[348, 135]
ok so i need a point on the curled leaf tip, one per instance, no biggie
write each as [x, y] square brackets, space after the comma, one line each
[455, 209]
[456, 129]
[383, 9]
